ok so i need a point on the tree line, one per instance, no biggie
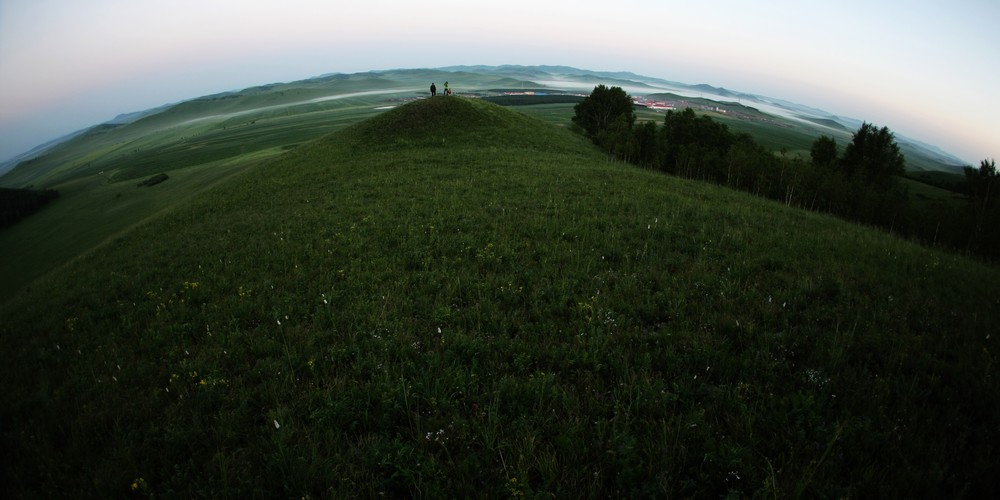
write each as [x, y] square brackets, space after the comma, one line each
[861, 184]
[16, 204]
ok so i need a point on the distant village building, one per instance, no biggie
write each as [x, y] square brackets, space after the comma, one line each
[654, 105]
[660, 106]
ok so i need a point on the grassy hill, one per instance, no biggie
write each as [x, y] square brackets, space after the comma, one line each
[200, 141]
[452, 299]
[196, 143]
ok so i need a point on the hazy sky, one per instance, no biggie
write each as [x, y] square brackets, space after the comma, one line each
[926, 69]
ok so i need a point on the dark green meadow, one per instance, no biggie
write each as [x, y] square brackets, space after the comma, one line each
[196, 143]
[453, 299]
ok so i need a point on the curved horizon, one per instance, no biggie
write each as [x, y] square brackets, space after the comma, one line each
[925, 71]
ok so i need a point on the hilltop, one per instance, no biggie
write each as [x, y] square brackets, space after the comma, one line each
[456, 299]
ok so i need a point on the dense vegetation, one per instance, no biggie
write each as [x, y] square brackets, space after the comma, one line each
[862, 185]
[455, 300]
[16, 204]
[983, 212]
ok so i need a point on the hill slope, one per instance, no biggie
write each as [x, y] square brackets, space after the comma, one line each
[452, 299]
[199, 141]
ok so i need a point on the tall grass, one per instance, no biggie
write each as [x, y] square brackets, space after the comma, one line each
[454, 300]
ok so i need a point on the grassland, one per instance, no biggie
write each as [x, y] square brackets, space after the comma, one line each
[201, 140]
[197, 143]
[91, 211]
[452, 299]
[96, 173]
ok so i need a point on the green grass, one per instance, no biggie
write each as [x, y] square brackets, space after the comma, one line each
[234, 129]
[943, 180]
[784, 135]
[456, 300]
[97, 175]
[557, 114]
[922, 191]
[91, 210]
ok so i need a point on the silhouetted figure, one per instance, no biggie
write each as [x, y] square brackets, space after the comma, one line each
[434, 90]
[447, 91]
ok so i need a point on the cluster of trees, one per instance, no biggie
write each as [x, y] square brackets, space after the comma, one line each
[983, 184]
[16, 204]
[982, 216]
[862, 184]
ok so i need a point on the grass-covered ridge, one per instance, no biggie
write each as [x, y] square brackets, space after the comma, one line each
[454, 300]
[457, 123]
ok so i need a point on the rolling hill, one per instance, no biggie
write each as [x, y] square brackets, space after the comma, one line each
[453, 299]
[202, 140]
[302, 97]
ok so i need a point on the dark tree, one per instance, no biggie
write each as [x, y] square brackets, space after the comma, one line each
[824, 151]
[983, 183]
[983, 187]
[647, 151]
[693, 143]
[618, 139]
[16, 204]
[874, 156]
[598, 112]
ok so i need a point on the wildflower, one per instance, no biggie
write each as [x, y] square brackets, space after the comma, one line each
[514, 488]
[277, 425]
[437, 437]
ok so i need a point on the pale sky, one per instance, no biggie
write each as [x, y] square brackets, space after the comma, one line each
[926, 69]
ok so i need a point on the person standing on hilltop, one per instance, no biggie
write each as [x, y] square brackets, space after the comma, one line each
[446, 90]
[434, 89]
